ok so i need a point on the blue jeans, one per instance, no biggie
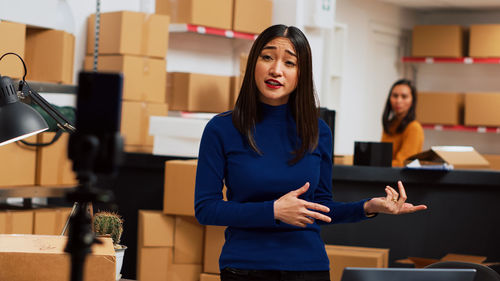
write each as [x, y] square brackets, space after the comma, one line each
[233, 274]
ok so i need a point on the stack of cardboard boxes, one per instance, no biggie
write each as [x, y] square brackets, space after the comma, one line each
[195, 92]
[452, 41]
[173, 246]
[470, 108]
[48, 54]
[248, 16]
[43, 221]
[37, 166]
[134, 44]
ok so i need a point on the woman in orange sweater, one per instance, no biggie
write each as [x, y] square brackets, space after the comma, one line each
[400, 126]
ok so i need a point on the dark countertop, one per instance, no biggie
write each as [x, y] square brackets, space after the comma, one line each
[488, 178]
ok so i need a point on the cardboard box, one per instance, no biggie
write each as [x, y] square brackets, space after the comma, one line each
[177, 136]
[481, 109]
[20, 169]
[188, 241]
[130, 33]
[341, 257]
[42, 258]
[143, 78]
[179, 187]
[154, 264]
[185, 272]
[16, 222]
[50, 55]
[142, 149]
[214, 13]
[343, 160]
[419, 262]
[484, 40]
[494, 161]
[214, 240]
[155, 229]
[252, 16]
[135, 121]
[438, 41]
[243, 63]
[50, 221]
[200, 92]
[53, 167]
[11, 65]
[440, 108]
[236, 82]
[383, 251]
[209, 277]
[156, 34]
[461, 157]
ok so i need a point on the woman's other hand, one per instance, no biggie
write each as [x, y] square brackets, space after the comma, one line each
[393, 203]
[290, 209]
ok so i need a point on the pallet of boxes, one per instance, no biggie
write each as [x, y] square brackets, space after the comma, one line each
[31, 245]
[134, 44]
[172, 245]
[41, 166]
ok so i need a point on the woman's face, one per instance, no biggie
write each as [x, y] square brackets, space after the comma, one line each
[276, 71]
[401, 100]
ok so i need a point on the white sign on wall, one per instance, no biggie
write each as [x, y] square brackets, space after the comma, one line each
[319, 13]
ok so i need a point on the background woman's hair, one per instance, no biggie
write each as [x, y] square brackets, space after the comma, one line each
[388, 116]
[303, 102]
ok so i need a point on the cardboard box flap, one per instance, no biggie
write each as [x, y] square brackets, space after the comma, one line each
[463, 258]
[48, 244]
[458, 156]
[428, 156]
[422, 262]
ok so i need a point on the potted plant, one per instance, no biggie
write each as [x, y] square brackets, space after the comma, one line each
[111, 224]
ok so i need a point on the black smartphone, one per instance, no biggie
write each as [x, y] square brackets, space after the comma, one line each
[98, 116]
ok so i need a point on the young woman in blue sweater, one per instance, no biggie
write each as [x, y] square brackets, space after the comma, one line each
[274, 155]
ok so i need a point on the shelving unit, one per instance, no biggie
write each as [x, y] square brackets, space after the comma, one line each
[465, 74]
[461, 128]
[464, 60]
[34, 191]
[179, 27]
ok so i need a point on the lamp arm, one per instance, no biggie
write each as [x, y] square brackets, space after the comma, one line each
[61, 120]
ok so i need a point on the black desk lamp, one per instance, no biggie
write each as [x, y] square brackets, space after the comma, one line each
[19, 120]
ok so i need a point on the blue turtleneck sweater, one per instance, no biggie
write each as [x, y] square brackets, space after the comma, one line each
[254, 240]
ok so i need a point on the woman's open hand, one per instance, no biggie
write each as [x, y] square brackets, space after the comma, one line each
[292, 210]
[393, 203]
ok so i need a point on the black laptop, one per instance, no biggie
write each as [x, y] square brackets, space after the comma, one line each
[407, 274]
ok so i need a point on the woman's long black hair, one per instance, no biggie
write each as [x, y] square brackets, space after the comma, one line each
[302, 102]
[388, 116]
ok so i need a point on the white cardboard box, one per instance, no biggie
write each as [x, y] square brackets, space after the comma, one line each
[176, 136]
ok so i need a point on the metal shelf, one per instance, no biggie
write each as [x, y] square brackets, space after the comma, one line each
[180, 27]
[461, 128]
[34, 191]
[463, 60]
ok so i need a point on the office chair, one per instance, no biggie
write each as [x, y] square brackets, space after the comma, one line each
[484, 273]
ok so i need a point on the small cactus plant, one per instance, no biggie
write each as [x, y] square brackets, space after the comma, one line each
[108, 223]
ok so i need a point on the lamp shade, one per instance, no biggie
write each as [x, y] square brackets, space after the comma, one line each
[17, 120]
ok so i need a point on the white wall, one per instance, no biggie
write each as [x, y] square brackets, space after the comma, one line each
[359, 106]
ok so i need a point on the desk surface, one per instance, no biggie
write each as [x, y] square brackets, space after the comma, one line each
[387, 175]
